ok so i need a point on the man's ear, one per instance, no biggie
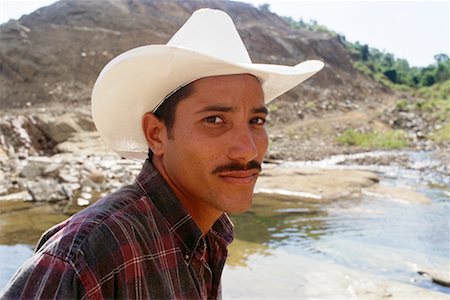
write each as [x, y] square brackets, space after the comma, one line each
[155, 133]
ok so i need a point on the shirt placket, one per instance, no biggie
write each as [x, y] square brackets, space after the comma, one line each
[202, 271]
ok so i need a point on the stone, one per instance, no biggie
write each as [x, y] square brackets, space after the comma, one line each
[52, 170]
[61, 128]
[70, 188]
[19, 196]
[68, 178]
[97, 176]
[441, 278]
[86, 123]
[402, 194]
[35, 166]
[82, 202]
[311, 183]
[46, 190]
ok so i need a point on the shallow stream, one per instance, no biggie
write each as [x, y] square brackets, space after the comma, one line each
[368, 246]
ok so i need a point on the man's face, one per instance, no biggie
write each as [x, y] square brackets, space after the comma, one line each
[218, 142]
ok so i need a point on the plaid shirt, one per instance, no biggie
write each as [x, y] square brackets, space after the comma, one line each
[137, 243]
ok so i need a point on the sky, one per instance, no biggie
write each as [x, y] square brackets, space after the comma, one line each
[409, 29]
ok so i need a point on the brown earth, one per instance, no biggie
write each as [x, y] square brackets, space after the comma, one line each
[50, 59]
[56, 53]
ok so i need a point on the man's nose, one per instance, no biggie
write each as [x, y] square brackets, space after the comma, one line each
[242, 146]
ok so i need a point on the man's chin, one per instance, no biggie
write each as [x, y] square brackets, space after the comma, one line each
[239, 209]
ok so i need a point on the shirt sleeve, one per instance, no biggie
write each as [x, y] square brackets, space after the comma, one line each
[45, 276]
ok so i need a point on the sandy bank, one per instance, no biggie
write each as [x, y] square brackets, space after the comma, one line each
[320, 184]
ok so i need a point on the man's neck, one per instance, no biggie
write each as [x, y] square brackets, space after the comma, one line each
[203, 215]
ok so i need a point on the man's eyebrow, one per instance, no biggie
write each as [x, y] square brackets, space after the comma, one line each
[224, 108]
[261, 110]
[213, 108]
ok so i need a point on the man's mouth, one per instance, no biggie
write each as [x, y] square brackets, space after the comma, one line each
[240, 177]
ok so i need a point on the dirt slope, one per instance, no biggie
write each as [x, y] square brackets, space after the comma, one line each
[56, 53]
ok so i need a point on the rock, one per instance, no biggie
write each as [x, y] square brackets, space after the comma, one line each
[61, 128]
[82, 202]
[52, 170]
[19, 196]
[97, 176]
[3, 188]
[314, 183]
[402, 194]
[86, 123]
[442, 278]
[46, 190]
[70, 188]
[384, 160]
[68, 178]
[35, 166]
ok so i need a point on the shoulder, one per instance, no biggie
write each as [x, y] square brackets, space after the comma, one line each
[109, 224]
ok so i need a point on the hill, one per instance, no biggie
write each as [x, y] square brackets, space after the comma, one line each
[56, 53]
[50, 59]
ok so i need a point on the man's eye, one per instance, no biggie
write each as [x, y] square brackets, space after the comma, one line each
[258, 121]
[214, 119]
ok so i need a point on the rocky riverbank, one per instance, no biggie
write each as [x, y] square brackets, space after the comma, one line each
[55, 156]
[53, 164]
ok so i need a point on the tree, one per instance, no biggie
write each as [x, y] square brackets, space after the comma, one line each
[441, 57]
[364, 53]
[264, 7]
[391, 75]
[428, 77]
[442, 72]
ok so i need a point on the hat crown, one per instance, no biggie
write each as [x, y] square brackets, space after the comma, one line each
[213, 33]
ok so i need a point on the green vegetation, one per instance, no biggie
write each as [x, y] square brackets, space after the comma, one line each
[432, 103]
[311, 105]
[375, 139]
[441, 135]
[426, 89]
[395, 73]
[312, 26]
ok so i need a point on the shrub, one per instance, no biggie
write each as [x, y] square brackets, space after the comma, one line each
[442, 134]
[392, 139]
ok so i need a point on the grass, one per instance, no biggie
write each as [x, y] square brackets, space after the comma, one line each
[393, 139]
[441, 135]
[311, 105]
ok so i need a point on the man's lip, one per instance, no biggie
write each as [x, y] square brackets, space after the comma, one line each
[239, 174]
[240, 177]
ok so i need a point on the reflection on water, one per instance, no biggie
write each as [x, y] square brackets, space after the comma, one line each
[357, 247]
[375, 238]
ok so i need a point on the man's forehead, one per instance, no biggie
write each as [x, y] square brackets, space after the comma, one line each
[221, 80]
[227, 85]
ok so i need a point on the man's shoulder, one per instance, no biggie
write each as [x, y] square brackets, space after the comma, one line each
[109, 223]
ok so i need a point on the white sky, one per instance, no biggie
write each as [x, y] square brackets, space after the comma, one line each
[414, 30]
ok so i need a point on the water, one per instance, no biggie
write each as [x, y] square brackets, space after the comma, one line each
[363, 247]
[352, 248]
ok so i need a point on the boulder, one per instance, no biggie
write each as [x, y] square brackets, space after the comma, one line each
[35, 166]
[61, 128]
[46, 190]
[19, 196]
[314, 183]
[441, 278]
[402, 194]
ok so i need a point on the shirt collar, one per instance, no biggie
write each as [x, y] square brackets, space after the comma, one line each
[177, 217]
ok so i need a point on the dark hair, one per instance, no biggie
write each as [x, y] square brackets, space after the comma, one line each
[166, 111]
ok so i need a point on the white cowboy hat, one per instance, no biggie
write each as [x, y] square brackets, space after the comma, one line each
[138, 81]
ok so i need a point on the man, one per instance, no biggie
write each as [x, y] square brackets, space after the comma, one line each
[196, 109]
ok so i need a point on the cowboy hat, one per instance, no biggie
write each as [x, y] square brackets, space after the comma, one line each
[138, 81]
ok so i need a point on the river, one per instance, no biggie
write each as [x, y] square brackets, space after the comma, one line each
[358, 247]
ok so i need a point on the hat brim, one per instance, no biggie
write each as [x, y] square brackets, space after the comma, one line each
[136, 81]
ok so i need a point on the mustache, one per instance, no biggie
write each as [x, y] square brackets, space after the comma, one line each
[238, 167]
